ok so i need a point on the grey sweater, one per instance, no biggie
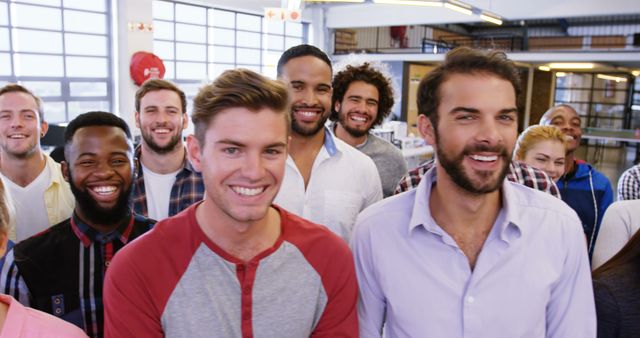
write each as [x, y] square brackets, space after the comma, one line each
[389, 161]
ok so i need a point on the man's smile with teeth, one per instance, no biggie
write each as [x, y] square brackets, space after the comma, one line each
[247, 191]
[161, 130]
[18, 136]
[104, 190]
[484, 158]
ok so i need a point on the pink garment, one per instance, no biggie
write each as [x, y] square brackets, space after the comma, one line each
[26, 322]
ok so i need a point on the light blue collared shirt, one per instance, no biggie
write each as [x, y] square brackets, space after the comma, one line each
[531, 279]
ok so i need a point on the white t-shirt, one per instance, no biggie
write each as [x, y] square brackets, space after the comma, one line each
[31, 210]
[158, 192]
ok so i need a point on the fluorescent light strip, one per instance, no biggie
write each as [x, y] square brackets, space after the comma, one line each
[491, 19]
[458, 8]
[544, 68]
[567, 65]
[354, 1]
[409, 3]
[635, 73]
[561, 74]
[611, 78]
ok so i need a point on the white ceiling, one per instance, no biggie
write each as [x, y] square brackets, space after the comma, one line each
[369, 14]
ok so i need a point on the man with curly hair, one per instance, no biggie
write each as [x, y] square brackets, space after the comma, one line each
[362, 99]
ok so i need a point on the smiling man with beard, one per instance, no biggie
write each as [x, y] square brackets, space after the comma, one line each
[166, 182]
[61, 270]
[362, 99]
[468, 253]
[326, 180]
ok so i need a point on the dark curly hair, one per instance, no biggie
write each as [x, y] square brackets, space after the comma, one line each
[368, 74]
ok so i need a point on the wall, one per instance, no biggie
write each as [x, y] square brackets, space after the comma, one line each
[542, 95]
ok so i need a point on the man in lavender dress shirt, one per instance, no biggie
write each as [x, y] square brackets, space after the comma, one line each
[468, 254]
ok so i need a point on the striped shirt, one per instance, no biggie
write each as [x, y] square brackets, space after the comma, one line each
[61, 270]
[519, 172]
[629, 184]
[187, 189]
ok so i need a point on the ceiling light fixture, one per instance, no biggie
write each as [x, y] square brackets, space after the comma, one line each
[544, 68]
[491, 18]
[611, 78]
[635, 73]
[571, 65]
[561, 74]
[410, 2]
[458, 8]
[353, 1]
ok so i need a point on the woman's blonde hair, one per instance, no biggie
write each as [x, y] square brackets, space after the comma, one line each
[7, 219]
[534, 135]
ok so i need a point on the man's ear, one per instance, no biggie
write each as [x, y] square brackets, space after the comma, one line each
[44, 127]
[185, 120]
[336, 107]
[64, 166]
[194, 153]
[427, 129]
[136, 116]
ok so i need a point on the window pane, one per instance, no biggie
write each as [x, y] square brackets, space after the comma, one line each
[248, 56]
[163, 30]
[5, 64]
[222, 54]
[163, 49]
[90, 5]
[215, 69]
[273, 26]
[191, 70]
[55, 112]
[270, 58]
[191, 33]
[191, 14]
[270, 72]
[250, 67]
[86, 67]
[247, 39]
[190, 89]
[221, 18]
[4, 14]
[169, 67]
[85, 22]
[294, 28]
[162, 10]
[44, 88]
[36, 41]
[36, 17]
[43, 2]
[4, 39]
[290, 42]
[221, 36]
[248, 22]
[85, 44]
[88, 88]
[273, 42]
[80, 107]
[191, 52]
[38, 65]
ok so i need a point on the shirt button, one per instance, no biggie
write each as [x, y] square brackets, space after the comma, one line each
[470, 299]
[56, 301]
[107, 263]
[58, 311]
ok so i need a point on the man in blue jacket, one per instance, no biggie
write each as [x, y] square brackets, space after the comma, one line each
[582, 187]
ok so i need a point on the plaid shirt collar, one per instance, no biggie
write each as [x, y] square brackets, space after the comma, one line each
[186, 165]
[87, 235]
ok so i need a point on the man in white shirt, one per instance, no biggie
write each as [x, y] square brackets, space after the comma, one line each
[40, 194]
[166, 183]
[326, 180]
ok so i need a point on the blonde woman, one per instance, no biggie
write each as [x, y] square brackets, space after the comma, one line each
[542, 147]
[6, 222]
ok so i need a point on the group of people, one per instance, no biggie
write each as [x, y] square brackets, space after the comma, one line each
[269, 221]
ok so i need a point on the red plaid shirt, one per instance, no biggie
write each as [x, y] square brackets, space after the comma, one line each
[519, 172]
[187, 189]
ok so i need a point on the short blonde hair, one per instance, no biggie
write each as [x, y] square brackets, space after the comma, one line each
[7, 213]
[534, 135]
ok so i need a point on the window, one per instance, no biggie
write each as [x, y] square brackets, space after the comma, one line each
[198, 43]
[60, 50]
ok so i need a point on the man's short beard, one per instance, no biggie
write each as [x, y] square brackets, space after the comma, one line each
[300, 130]
[342, 120]
[454, 168]
[98, 215]
[158, 149]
